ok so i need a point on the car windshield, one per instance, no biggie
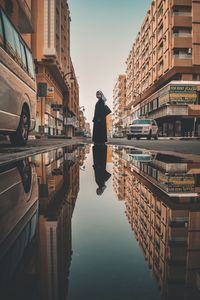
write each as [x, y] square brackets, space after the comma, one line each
[141, 122]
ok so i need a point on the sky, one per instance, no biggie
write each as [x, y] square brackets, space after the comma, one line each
[102, 33]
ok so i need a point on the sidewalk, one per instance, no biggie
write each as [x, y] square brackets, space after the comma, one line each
[179, 138]
[9, 153]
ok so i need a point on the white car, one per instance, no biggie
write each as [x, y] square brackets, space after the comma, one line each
[118, 135]
[143, 128]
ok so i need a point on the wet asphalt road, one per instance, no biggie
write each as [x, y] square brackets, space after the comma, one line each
[181, 146]
[10, 153]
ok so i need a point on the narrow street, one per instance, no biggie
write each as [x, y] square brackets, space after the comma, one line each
[99, 150]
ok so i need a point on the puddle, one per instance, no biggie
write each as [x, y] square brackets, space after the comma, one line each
[100, 223]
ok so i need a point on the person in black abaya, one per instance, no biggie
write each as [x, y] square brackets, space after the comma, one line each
[101, 175]
[99, 128]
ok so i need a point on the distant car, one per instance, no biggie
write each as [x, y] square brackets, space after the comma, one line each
[87, 135]
[143, 128]
[118, 135]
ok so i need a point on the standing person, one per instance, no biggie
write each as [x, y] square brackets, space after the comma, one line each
[100, 128]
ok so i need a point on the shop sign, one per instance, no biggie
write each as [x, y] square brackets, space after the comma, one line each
[56, 107]
[183, 94]
[50, 92]
[41, 89]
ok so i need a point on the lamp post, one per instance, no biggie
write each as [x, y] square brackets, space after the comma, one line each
[65, 75]
[82, 107]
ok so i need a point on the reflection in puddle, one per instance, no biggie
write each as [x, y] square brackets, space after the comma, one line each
[161, 195]
[35, 242]
[38, 197]
[99, 165]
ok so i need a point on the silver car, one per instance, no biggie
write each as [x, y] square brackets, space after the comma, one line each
[17, 84]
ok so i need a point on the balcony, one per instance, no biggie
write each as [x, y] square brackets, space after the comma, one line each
[194, 110]
[181, 60]
[59, 116]
[181, 21]
[181, 42]
[25, 17]
[181, 3]
[178, 242]
[170, 110]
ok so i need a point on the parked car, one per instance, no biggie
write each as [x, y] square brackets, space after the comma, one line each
[143, 128]
[118, 135]
[17, 84]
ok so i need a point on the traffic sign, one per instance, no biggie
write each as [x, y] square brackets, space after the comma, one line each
[42, 89]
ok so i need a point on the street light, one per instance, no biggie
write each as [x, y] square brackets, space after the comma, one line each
[82, 107]
[65, 75]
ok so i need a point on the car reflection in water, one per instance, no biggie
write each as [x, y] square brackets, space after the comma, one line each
[161, 195]
[18, 218]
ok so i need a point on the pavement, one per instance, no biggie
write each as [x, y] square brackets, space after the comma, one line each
[187, 148]
[9, 153]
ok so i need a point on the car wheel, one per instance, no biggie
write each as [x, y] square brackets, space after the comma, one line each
[128, 137]
[156, 137]
[149, 136]
[20, 136]
[26, 174]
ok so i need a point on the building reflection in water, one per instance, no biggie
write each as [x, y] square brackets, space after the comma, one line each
[53, 182]
[162, 202]
[58, 174]
[99, 165]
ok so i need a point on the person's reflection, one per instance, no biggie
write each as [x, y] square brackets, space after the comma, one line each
[101, 175]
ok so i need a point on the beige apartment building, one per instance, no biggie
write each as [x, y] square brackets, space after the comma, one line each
[88, 129]
[109, 123]
[45, 26]
[163, 68]
[72, 106]
[51, 50]
[82, 121]
[118, 174]
[21, 14]
[119, 98]
[58, 177]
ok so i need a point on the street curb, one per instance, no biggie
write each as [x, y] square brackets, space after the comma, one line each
[37, 150]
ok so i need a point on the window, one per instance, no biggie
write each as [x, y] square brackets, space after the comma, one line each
[151, 105]
[23, 56]
[9, 35]
[155, 104]
[141, 121]
[17, 47]
[31, 69]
